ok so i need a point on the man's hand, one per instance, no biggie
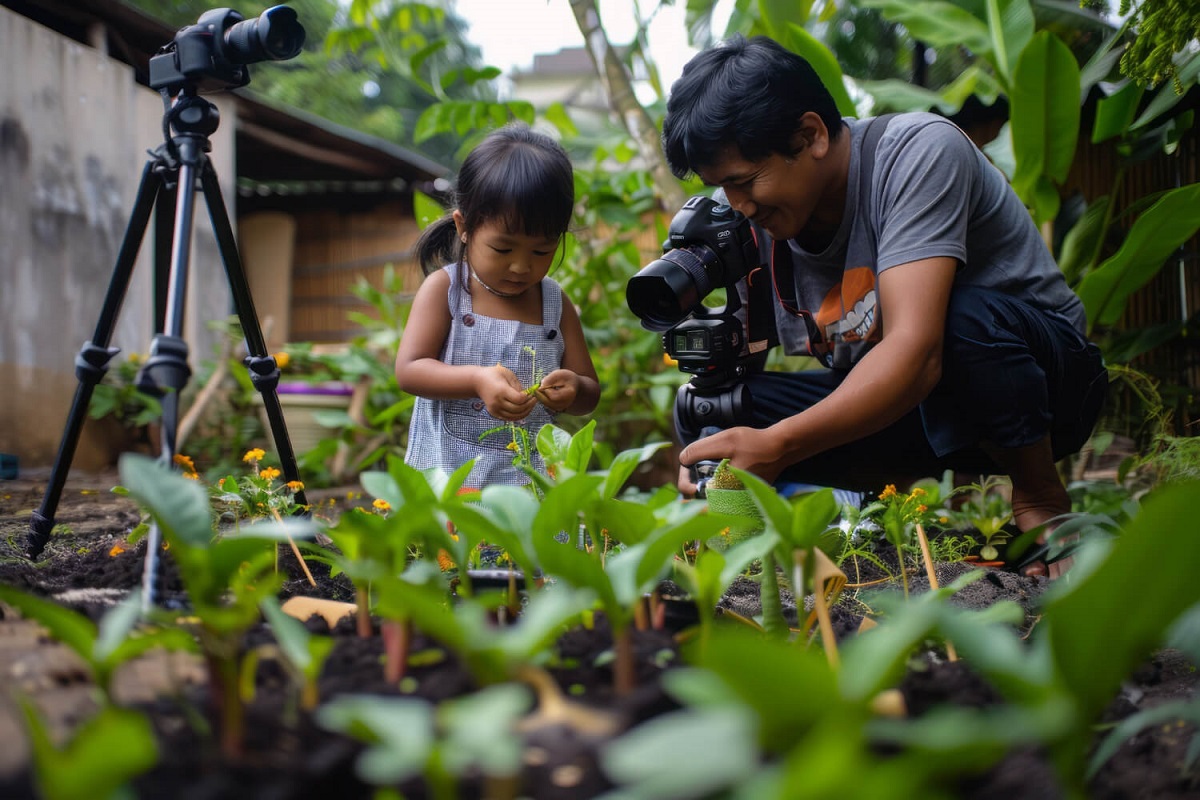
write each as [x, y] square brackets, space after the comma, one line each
[501, 392]
[558, 390]
[750, 449]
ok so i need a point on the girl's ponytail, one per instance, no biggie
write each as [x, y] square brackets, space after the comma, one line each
[439, 245]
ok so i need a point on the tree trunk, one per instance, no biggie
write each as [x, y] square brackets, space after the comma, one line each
[619, 88]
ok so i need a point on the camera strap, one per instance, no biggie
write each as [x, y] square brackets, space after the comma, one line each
[761, 334]
[782, 273]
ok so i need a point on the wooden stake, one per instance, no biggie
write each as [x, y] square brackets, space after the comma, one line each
[951, 653]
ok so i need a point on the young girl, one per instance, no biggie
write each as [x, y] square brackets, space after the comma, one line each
[490, 339]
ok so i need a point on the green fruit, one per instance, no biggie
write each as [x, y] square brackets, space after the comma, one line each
[736, 503]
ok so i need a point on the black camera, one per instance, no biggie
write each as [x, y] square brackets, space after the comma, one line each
[212, 54]
[709, 245]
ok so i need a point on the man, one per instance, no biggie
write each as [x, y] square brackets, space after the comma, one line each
[919, 279]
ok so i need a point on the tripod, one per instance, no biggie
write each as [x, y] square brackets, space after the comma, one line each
[178, 164]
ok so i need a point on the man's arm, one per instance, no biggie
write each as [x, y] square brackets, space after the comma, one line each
[890, 380]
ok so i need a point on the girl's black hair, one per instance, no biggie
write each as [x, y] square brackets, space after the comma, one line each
[515, 176]
[747, 92]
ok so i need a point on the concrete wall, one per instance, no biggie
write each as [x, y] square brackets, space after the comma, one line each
[75, 129]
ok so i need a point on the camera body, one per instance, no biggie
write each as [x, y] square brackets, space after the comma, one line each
[709, 246]
[212, 54]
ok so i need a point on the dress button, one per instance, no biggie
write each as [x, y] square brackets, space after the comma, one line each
[551, 334]
[477, 405]
[468, 320]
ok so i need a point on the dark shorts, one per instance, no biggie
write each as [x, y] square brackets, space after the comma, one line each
[1010, 374]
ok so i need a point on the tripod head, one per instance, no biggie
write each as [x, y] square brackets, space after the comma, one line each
[213, 54]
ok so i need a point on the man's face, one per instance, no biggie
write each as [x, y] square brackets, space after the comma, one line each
[780, 193]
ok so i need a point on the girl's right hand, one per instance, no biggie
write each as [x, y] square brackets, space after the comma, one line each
[502, 393]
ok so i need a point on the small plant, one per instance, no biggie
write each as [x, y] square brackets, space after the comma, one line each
[988, 511]
[118, 395]
[899, 515]
[225, 577]
[103, 754]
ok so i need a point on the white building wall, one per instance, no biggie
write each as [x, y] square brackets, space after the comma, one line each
[75, 128]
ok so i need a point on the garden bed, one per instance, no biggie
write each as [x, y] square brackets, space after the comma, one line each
[289, 756]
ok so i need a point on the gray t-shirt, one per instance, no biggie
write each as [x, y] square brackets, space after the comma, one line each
[448, 433]
[933, 193]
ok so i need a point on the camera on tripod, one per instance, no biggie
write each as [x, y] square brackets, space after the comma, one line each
[212, 54]
[709, 245]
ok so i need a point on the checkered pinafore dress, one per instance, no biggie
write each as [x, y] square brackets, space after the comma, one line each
[446, 433]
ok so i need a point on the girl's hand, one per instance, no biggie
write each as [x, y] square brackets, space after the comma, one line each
[559, 390]
[501, 392]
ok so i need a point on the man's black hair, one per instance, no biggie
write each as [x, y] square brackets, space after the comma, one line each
[746, 92]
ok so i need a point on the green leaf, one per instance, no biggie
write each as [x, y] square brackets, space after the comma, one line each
[803, 43]
[1092, 653]
[938, 24]
[178, 505]
[426, 209]
[398, 732]
[720, 747]
[1154, 237]
[104, 754]
[1044, 121]
[1010, 25]
[1079, 246]
[790, 688]
[1114, 113]
[623, 466]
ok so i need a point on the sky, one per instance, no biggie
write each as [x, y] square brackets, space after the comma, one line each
[511, 32]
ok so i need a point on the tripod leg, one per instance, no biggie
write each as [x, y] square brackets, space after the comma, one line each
[264, 373]
[92, 362]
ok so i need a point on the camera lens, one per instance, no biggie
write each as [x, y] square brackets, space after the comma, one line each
[276, 35]
[668, 289]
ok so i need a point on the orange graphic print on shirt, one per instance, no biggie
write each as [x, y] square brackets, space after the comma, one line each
[848, 318]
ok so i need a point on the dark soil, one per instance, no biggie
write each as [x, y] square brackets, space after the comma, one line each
[290, 757]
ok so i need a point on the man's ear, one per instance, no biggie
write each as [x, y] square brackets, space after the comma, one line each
[811, 136]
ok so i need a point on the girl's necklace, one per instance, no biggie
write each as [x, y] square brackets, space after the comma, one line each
[496, 292]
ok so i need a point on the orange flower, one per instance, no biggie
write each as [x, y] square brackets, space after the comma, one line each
[282, 359]
[254, 456]
[888, 491]
[270, 473]
[382, 505]
[184, 462]
[116, 550]
[295, 486]
[445, 563]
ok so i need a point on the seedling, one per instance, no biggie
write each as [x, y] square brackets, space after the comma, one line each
[225, 577]
[103, 755]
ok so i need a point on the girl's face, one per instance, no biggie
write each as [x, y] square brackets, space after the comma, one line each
[507, 262]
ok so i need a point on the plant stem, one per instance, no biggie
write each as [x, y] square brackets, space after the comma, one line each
[624, 672]
[363, 612]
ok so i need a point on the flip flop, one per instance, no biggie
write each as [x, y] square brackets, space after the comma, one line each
[1041, 555]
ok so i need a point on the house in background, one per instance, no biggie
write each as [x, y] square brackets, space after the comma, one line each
[314, 206]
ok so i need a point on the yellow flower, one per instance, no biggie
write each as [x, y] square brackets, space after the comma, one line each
[270, 473]
[254, 456]
[922, 509]
[888, 492]
[917, 492]
[184, 462]
[295, 486]
[282, 359]
[510, 446]
[116, 550]
[382, 505]
[192, 476]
